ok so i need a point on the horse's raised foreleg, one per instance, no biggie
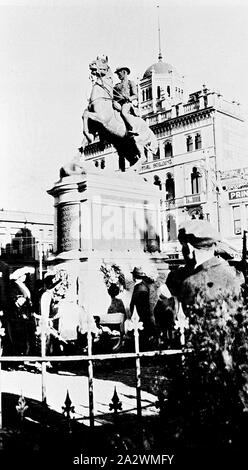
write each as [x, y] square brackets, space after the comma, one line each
[93, 117]
[86, 131]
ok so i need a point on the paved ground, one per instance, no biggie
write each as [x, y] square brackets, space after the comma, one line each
[28, 384]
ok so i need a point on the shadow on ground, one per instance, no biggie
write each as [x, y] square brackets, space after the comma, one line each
[45, 437]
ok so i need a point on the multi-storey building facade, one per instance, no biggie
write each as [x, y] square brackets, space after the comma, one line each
[201, 136]
[26, 238]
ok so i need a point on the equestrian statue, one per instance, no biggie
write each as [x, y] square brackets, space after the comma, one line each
[110, 114]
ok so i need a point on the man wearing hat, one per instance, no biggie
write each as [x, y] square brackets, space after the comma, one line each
[212, 385]
[207, 278]
[141, 301]
[125, 98]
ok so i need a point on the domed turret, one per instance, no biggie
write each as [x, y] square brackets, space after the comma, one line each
[159, 67]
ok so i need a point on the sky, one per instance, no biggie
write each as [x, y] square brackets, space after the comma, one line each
[45, 50]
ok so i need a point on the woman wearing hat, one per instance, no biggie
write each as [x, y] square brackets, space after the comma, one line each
[21, 320]
[125, 98]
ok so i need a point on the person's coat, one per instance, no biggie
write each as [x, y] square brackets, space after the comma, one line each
[141, 300]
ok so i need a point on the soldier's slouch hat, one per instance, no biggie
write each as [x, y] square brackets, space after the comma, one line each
[123, 68]
[199, 233]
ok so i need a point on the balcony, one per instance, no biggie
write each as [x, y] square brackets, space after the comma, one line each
[190, 108]
[158, 117]
[193, 199]
[189, 200]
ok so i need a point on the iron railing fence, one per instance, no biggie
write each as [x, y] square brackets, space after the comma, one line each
[90, 358]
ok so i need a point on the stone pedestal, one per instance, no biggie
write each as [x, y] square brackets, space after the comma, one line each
[101, 219]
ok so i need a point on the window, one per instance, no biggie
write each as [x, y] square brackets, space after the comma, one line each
[171, 228]
[170, 187]
[195, 181]
[237, 220]
[96, 163]
[17, 246]
[198, 142]
[143, 95]
[157, 181]
[149, 93]
[168, 149]
[146, 154]
[158, 92]
[189, 143]
[168, 90]
[102, 163]
[156, 156]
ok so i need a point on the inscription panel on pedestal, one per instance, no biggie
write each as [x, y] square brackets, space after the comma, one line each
[68, 227]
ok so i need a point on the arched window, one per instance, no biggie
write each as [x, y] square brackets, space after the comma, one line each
[156, 156]
[146, 153]
[168, 149]
[198, 142]
[168, 91]
[171, 228]
[149, 93]
[170, 187]
[195, 181]
[96, 163]
[189, 143]
[157, 181]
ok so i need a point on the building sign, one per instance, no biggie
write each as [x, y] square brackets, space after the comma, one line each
[68, 227]
[234, 173]
[157, 164]
[239, 194]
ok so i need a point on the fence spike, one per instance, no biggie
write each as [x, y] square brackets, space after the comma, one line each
[116, 403]
[21, 407]
[68, 409]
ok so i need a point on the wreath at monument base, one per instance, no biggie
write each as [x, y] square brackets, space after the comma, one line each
[112, 274]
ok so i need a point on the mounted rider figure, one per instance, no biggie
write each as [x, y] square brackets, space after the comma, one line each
[126, 98]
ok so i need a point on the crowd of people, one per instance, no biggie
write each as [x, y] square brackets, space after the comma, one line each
[203, 300]
[205, 281]
[21, 303]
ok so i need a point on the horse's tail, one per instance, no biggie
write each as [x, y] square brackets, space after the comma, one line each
[153, 144]
[146, 136]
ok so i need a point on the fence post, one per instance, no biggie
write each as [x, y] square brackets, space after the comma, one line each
[90, 372]
[136, 326]
[1, 334]
[43, 364]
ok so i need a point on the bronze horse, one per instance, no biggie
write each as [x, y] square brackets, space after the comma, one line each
[100, 117]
